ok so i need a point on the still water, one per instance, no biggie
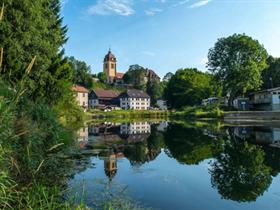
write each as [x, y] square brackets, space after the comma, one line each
[182, 166]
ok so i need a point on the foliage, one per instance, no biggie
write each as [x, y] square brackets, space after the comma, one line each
[81, 72]
[188, 87]
[155, 90]
[25, 32]
[136, 77]
[167, 77]
[271, 75]
[237, 61]
[102, 77]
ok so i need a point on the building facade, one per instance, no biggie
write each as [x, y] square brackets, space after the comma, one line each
[135, 99]
[102, 98]
[266, 99]
[81, 95]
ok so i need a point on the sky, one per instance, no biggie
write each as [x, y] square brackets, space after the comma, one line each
[164, 35]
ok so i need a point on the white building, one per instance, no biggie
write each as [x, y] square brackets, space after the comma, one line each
[162, 104]
[267, 99]
[135, 99]
[81, 95]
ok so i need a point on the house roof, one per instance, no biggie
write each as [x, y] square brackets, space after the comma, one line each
[105, 93]
[119, 75]
[80, 89]
[269, 90]
[134, 94]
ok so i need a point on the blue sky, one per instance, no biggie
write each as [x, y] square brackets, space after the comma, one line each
[164, 35]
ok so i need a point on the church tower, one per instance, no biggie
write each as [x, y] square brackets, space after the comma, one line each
[110, 66]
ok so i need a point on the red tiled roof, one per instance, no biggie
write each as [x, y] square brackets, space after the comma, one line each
[80, 89]
[105, 93]
[119, 75]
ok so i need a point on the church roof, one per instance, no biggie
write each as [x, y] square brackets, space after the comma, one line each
[110, 57]
[119, 75]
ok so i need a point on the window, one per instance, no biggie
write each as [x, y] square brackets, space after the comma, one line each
[112, 65]
[84, 95]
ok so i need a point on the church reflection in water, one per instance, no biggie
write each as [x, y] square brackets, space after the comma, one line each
[113, 141]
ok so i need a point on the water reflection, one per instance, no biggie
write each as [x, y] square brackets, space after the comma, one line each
[242, 160]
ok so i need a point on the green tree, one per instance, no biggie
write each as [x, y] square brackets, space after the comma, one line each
[271, 75]
[26, 32]
[237, 61]
[136, 77]
[102, 77]
[155, 90]
[81, 72]
[167, 77]
[188, 87]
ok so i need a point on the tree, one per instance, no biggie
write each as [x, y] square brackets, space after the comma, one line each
[81, 72]
[188, 87]
[237, 61]
[102, 77]
[167, 77]
[271, 75]
[136, 77]
[155, 90]
[26, 32]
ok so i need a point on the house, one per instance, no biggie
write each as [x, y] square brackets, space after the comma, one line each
[81, 95]
[103, 98]
[241, 103]
[110, 69]
[267, 100]
[208, 101]
[162, 104]
[135, 99]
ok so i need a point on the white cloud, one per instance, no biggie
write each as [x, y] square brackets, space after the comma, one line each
[148, 53]
[200, 3]
[153, 11]
[181, 2]
[109, 7]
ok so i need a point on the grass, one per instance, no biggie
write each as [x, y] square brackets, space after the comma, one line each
[128, 113]
[105, 86]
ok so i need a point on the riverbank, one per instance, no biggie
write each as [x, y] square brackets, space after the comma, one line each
[127, 115]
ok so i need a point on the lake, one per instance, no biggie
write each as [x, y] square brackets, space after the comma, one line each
[178, 165]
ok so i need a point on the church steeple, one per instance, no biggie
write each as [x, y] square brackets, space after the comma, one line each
[110, 66]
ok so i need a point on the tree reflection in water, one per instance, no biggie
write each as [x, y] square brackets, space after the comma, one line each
[239, 173]
[189, 145]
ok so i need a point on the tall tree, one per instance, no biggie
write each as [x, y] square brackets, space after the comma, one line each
[188, 87]
[271, 75]
[81, 72]
[32, 28]
[155, 90]
[237, 61]
[136, 77]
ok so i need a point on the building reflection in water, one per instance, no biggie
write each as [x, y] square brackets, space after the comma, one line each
[118, 139]
[259, 135]
[83, 135]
